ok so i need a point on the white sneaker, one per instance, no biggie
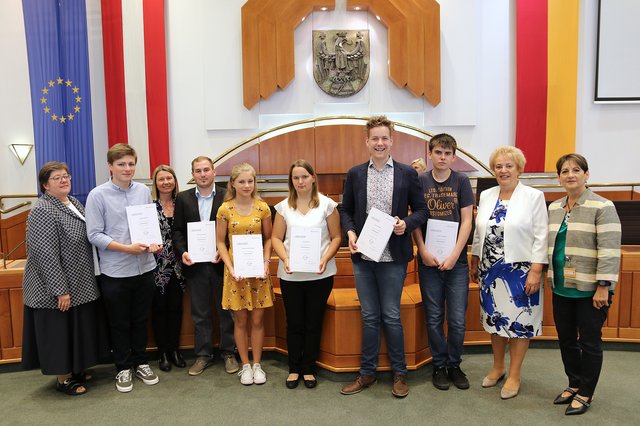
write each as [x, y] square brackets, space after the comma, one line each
[246, 375]
[123, 381]
[259, 376]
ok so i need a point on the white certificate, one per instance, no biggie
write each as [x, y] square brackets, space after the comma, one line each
[201, 238]
[247, 255]
[441, 238]
[143, 224]
[304, 249]
[375, 234]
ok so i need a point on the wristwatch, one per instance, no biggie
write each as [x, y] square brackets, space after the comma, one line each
[603, 283]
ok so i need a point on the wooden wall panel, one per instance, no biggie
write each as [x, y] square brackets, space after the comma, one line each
[267, 48]
[250, 56]
[277, 153]
[331, 185]
[407, 148]
[17, 314]
[623, 298]
[432, 59]
[635, 301]
[339, 147]
[6, 332]
[12, 234]
[250, 155]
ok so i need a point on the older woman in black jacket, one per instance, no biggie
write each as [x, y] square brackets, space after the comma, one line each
[61, 329]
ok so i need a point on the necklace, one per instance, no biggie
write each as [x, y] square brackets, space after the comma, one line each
[167, 207]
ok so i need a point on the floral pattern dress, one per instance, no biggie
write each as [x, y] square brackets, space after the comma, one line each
[249, 293]
[168, 263]
[505, 308]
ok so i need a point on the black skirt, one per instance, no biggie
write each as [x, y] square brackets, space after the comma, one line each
[64, 342]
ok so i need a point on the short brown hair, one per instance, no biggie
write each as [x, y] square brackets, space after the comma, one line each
[444, 140]
[201, 158]
[154, 187]
[379, 121]
[120, 150]
[45, 172]
[576, 158]
[511, 151]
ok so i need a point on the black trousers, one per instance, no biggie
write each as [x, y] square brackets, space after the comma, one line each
[304, 304]
[167, 315]
[206, 293]
[579, 327]
[128, 304]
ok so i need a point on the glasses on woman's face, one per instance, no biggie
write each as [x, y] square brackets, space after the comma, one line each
[60, 178]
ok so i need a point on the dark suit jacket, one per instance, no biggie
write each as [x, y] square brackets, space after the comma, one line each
[186, 211]
[406, 192]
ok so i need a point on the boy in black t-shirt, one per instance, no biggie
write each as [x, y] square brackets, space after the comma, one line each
[444, 272]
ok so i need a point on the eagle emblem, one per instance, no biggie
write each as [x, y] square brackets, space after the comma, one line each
[341, 61]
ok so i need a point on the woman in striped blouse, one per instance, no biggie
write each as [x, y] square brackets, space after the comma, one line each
[584, 261]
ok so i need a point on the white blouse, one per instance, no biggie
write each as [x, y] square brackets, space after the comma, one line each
[316, 217]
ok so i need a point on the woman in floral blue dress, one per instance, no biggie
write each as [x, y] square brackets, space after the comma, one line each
[509, 250]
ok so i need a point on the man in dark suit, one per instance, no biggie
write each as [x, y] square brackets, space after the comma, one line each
[391, 187]
[203, 279]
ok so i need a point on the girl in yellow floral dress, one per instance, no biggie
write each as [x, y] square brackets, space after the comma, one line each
[242, 213]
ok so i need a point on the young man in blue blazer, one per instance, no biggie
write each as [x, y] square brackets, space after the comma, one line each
[391, 187]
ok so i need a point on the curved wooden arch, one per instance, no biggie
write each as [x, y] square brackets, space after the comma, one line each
[268, 47]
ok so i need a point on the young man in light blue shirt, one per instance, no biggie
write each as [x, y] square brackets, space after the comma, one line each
[127, 284]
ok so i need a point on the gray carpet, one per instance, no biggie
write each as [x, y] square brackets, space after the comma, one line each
[218, 398]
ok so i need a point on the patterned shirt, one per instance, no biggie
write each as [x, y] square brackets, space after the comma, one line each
[380, 196]
[168, 263]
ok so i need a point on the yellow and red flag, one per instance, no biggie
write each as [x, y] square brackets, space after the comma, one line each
[547, 73]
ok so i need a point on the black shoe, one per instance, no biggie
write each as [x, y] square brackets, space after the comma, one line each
[565, 399]
[458, 378]
[310, 384]
[440, 379]
[175, 357]
[584, 406]
[165, 365]
[292, 384]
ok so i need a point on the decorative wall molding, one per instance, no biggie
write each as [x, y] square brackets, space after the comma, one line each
[414, 42]
[268, 27]
[268, 59]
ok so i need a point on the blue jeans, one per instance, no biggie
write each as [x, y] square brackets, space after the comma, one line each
[379, 287]
[439, 288]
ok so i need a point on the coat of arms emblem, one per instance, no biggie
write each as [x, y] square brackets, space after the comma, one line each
[341, 61]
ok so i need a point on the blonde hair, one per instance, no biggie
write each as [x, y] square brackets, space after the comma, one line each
[293, 194]
[509, 151]
[154, 188]
[420, 163]
[235, 172]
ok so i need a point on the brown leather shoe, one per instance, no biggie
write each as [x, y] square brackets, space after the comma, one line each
[400, 387]
[360, 383]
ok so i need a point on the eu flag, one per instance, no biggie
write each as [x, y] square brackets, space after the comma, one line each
[57, 49]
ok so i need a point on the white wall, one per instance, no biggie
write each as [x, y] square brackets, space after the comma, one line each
[205, 98]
